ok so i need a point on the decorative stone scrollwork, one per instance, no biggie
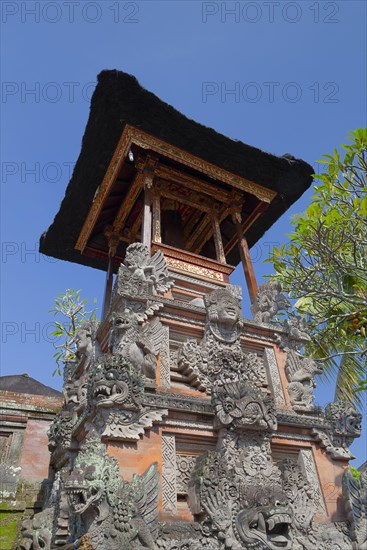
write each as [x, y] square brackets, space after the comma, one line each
[323, 536]
[241, 498]
[301, 372]
[185, 466]
[185, 536]
[237, 487]
[299, 493]
[269, 300]
[116, 514]
[59, 436]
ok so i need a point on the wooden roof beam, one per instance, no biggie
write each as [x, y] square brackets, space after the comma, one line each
[195, 184]
[145, 167]
[198, 202]
[205, 231]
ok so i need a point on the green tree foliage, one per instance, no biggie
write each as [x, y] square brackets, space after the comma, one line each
[324, 267]
[355, 473]
[71, 307]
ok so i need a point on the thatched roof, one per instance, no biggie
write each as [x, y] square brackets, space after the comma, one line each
[120, 100]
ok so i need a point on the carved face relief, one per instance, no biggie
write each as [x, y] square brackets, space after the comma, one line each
[108, 389]
[115, 382]
[228, 310]
[116, 514]
[242, 407]
[124, 321]
[223, 315]
[37, 532]
[84, 487]
[268, 522]
[353, 423]
[345, 422]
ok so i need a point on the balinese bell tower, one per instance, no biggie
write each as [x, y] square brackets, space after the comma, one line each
[186, 426]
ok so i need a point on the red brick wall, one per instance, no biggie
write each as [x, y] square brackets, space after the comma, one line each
[35, 456]
[52, 404]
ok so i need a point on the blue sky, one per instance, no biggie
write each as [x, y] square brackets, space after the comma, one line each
[287, 77]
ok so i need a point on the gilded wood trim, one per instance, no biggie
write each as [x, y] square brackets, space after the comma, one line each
[149, 142]
[190, 258]
[112, 172]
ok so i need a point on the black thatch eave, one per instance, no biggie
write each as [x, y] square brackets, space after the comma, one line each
[119, 100]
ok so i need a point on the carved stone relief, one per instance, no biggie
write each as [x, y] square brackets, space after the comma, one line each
[241, 407]
[185, 464]
[140, 344]
[344, 425]
[355, 495]
[301, 372]
[59, 436]
[296, 335]
[87, 347]
[272, 367]
[116, 514]
[142, 274]
[36, 533]
[165, 360]
[115, 396]
[239, 497]
[269, 301]
[219, 358]
[308, 467]
[169, 469]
